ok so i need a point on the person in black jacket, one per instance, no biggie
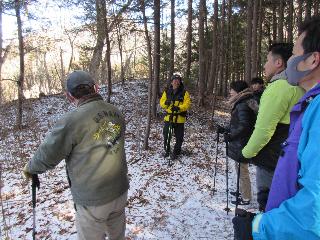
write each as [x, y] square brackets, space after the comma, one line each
[240, 129]
[257, 86]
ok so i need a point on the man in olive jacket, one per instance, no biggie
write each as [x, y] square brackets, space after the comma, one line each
[91, 140]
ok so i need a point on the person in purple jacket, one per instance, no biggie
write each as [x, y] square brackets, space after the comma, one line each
[293, 208]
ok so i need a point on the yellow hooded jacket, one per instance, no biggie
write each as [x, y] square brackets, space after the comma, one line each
[183, 102]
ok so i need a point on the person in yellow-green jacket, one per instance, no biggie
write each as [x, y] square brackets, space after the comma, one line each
[176, 101]
[273, 119]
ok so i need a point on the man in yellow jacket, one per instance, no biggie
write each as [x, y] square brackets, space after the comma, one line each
[176, 101]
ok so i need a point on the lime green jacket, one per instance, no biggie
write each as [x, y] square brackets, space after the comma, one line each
[275, 105]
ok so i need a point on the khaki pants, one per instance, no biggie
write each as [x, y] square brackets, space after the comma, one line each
[245, 183]
[94, 222]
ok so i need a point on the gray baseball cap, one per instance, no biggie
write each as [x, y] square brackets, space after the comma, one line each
[77, 78]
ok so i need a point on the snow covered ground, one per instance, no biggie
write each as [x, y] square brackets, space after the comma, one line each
[176, 202]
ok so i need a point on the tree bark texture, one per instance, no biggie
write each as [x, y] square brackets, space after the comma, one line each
[145, 23]
[254, 70]
[21, 56]
[290, 21]
[213, 68]
[156, 57]
[172, 40]
[280, 22]
[101, 35]
[248, 42]
[202, 58]
[189, 41]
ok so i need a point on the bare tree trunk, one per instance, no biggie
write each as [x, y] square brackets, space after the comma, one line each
[63, 73]
[108, 59]
[308, 8]
[222, 53]
[248, 42]
[213, 68]
[156, 57]
[280, 23]
[260, 38]
[290, 22]
[229, 47]
[316, 8]
[202, 59]
[21, 54]
[48, 77]
[1, 52]
[145, 22]
[101, 35]
[274, 22]
[254, 70]
[71, 41]
[189, 40]
[299, 14]
[134, 56]
[172, 40]
[121, 53]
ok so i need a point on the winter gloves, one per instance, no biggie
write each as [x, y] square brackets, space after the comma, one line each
[227, 137]
[221, 129]
[242, 159]
[26, 174]
[167, 102]
[242, 225]
[175, 109]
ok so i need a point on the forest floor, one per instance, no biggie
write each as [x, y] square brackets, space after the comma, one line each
[176, 202]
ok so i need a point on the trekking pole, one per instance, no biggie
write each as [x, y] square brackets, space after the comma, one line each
[35, 185]
[237, 191]
[169, 136]
[215, 164]
[173, 124]
[227, 209]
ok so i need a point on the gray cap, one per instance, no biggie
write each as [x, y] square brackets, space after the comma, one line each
[77, 78]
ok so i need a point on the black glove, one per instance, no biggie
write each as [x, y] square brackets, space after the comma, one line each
[242, 159]
[167, 102]
[175, 109]
[242, 225]
[221, 129]
[227, 137]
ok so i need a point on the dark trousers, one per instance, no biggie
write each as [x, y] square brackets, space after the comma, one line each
[263, 180]
[178, 129]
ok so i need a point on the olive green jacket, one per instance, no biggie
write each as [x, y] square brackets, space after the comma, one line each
[91, 140]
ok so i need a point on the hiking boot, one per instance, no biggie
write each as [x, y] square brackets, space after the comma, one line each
[235, 194]
[242, 201]
[173, 156]
[165, 154]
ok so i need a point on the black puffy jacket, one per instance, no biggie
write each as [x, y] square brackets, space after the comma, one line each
[241, 126]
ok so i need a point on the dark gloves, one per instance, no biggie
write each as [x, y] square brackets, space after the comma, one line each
[242, 159]
[167, 102]
[175, 109]
[242, 224]
[26, 174]
[227, 137]
[221, 129]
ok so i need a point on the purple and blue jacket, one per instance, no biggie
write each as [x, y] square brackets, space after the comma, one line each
[293, 209]
[285, 180]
